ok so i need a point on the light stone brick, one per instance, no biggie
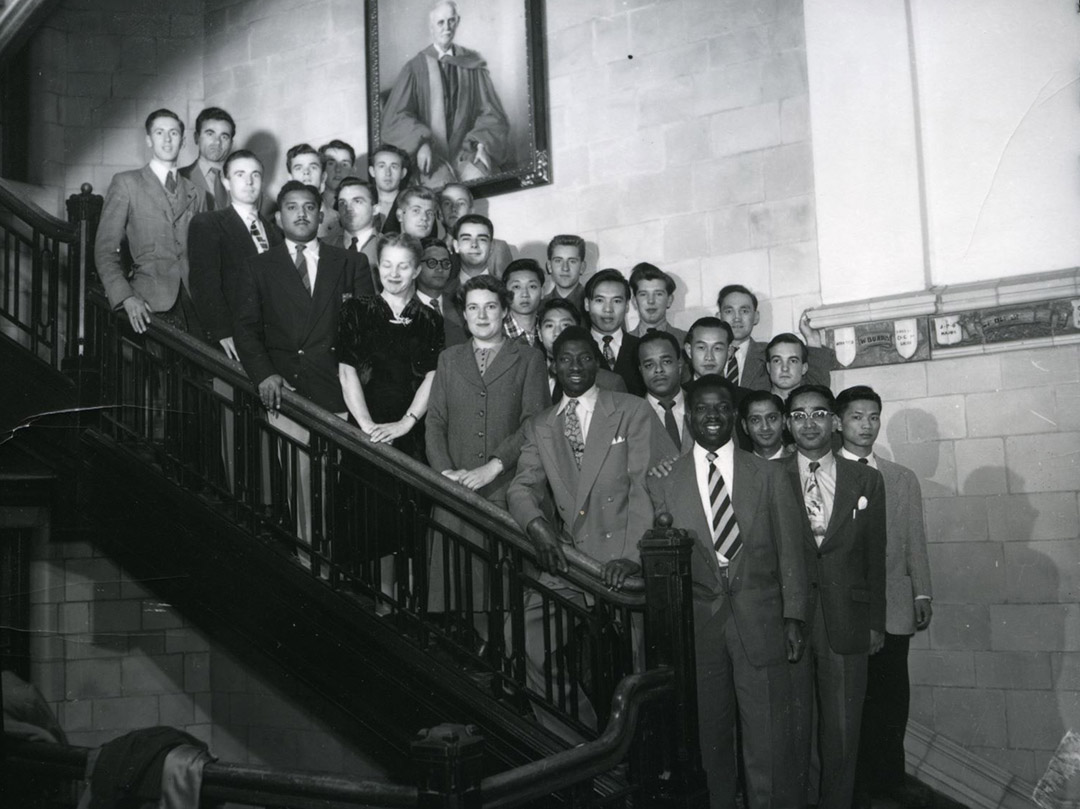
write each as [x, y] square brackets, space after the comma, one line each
[1067, 399]
[729, 229]
[964, 375]
[1042, 572]
[744, 130]
[980, 465]
[960, 626]
[1013, 670]
[197, 672]
[50, 678]
[177, 710]
[793, 268]
[743, 45]
[647, 70]
[783, 221]
[789, 171]
[716, 16]
[967, 573]
[687, 276]
[1038, 719]
[728, 181]
[611, 39]
[729, 88]
[1035, 627]
[125, 713]
[971, 716]
[1043, 463]
[659, 27]
[784, 76]
[1066, 670]
[185, 25]
[936, 667]
[598, 206]
[160, 674]
[787, 32]
[573, 14]
[795, 119]
[87, 679]
[1012, 412]
[624, 246]
[921, 706]
[895, 383]
[653, 196]
[633, 154]
[686, 236]
[672, 101]
[685, 142]
[749, 267]
[935, 418]
[1033, 517]
[74, 618]
[1038, 367]
[933, 462]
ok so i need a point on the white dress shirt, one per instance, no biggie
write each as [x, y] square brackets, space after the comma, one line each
[162, 170]
[311, 258]
[725, 464]
[871, 460]
[586, 406]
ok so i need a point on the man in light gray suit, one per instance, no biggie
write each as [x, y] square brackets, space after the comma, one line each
[907, 605]
[150, 209]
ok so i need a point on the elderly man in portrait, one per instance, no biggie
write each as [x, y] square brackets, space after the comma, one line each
[443, 108]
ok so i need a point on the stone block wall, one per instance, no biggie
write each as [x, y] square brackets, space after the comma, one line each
[996, 443]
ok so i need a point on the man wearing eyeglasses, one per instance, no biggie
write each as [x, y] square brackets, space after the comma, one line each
[435, 271]
[843, 527]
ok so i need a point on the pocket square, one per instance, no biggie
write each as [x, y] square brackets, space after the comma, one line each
[619, 439]
[863, 502]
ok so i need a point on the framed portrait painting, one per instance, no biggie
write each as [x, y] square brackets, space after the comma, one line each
[462, 88]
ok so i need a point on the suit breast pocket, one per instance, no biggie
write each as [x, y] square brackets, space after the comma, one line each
[860, 594]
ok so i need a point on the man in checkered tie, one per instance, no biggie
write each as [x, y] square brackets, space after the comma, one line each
[750, 594]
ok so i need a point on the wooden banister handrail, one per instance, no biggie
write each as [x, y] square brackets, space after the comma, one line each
[35, 216]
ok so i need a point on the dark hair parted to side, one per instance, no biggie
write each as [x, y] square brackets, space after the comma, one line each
[296, 151]
[389, 148]
[731, 288]
[164, 113]
[567, 240]
[857, 393]
[650, 272]
[608, 275]
[657, 336]
[240, 154]
[708, 382]
[575, 333]
[337, 144]
[296, 185]
[562, 304]
[709, 322]
[802, 390]
[755, 396]
[786, 337]
[215, 114]
[483, 282]
[353, 182]
[409, 242]
[474, 219]
[524, 265]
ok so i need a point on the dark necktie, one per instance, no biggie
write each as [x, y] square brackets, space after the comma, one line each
[170, 183]
[354, 246]
[731, 370]
[435, 305]
[670, 424]
[301, 267]
[256, 234]
[221, 199]
[725, 527]
[815, 504]
[863, 460]
[573, 431]
[609, 355]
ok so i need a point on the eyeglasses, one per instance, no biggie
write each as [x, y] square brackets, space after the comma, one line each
[799, 416]
[433, 263]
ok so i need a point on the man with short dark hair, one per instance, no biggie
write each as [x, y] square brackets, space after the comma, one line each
[566, 264]
[215, 132]
[607, 298]
[786, 359]
[338, 158]
[388, 167]
[907, 605]
[555, 316]
[762, 416]
[355, 206]
[660, 361]
[436, 270]
[473, 235]
[843, 528]
[151, 208]
[456, 201]
[653, 292]
[416, 211]
[750, 593]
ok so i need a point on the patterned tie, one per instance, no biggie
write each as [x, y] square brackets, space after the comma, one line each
[815, 504]
[731, 370]
[170, 183]
[221, 198]
[572, 431]
[354, 246]
[256, 234]
[301, 267]
[725, 527]
[670, 424]
[609, 355]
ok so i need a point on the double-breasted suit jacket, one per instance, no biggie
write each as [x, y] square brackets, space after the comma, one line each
[138, 210]
[219, 245]
[281, 329]
[847, 573]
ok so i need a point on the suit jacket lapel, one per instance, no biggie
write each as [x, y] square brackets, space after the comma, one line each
[844, 500]
[156, 191]
[792, 465]
[468, 368]
[746, 500]
[554, 445]
[239, 233]
[326, 275]
[602, 430]
[688, 502]
[503, 362]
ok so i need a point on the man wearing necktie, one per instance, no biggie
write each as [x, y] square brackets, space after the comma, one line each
[660, 361]
[214, 134]
[590, 454]
[843, 538]
[750, 597]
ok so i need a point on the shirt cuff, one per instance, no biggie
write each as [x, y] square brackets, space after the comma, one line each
[926, 597]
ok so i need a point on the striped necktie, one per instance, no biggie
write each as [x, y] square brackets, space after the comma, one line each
[301, 267]
[731, 370]
[256, 234]
[725, 527]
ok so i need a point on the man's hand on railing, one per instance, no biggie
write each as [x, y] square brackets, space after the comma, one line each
[796, 641]
[548, 551]
[614, 572]
[229, 346]
[270, 391]
[138, 313]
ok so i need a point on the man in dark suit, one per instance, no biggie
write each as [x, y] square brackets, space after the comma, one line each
[591, 454]
[435, 269]
[219, 244]
[750, 596]
[907, 606]
[355, 207]
[660, 361]
[843, 530]
[290, 298]
[607, 297]
[388, 167]
[151, 208]
[214, 134]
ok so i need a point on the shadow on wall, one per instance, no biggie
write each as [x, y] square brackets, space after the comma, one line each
[923, 454]
[266, 146]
